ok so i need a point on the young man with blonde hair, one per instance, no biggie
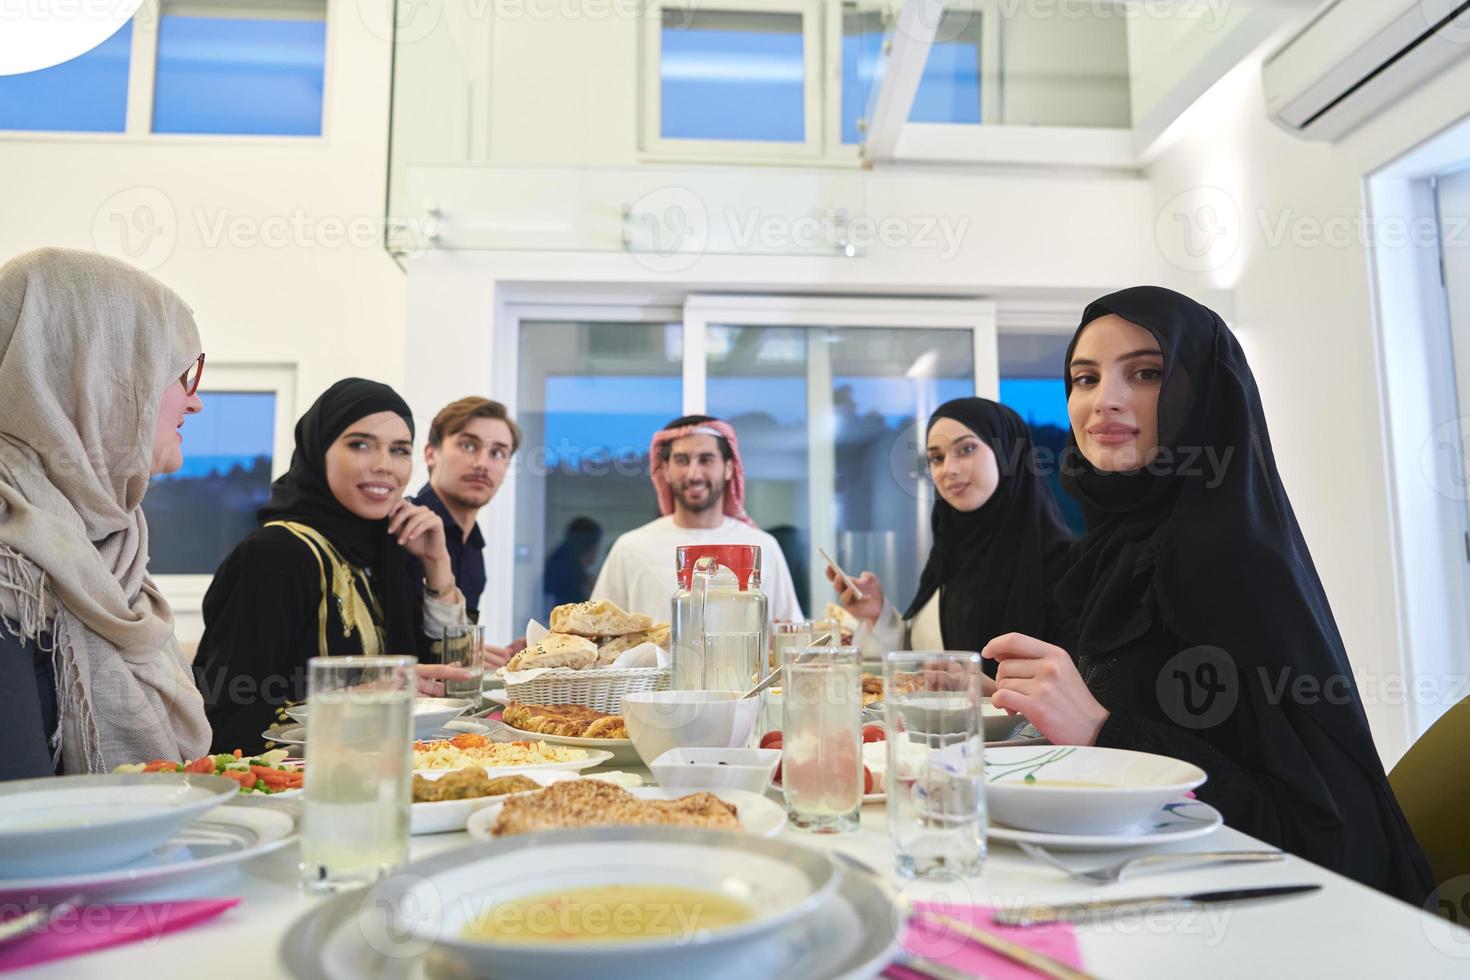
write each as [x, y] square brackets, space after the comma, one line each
[470, 445]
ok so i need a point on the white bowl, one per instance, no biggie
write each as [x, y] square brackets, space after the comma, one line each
[60, 825]
[661, 720]
[429, 714]
[1082, 789]
[780, 881]
[745, 769]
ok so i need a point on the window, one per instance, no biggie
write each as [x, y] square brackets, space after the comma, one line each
[212, 67]
[589, 396]
[88, 94]
[200, 513]
[740, 79]
[232, 450]
[241, 69]
[1031, 371]
[949, 90]
[732, 76]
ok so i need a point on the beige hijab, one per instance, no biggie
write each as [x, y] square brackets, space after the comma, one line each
[87, 347]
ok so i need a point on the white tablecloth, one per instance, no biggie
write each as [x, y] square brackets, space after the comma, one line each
[1345, 930]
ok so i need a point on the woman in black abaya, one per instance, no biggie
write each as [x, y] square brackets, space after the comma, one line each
[326, 572]
[999, 542]
[1203, 631]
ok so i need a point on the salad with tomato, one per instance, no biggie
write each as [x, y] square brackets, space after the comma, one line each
[261, 774]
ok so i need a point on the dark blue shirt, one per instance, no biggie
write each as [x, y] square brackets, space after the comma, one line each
[466, 556]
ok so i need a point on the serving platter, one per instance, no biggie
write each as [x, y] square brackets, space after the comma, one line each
[622, 750]
[296, 734]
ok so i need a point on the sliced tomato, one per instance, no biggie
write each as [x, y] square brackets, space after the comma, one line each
[873, 733]
[867, 780]
[203, 764]
[771, 740]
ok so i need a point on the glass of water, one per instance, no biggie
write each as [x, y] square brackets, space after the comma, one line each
[359, 770]
[784, 636]
[821, 749]
[936, 762]
[463, 647]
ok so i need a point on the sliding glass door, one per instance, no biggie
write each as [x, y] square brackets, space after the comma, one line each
[828, 397]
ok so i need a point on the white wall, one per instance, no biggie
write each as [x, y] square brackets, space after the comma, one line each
[1304, 313]
[275, 243]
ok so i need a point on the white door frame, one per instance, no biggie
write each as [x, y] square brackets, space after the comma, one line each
[1425, 428]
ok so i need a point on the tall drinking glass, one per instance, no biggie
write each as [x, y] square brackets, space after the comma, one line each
[822, 759]
[463, 646]
[359, 767]
[936, 762]
[784, 636]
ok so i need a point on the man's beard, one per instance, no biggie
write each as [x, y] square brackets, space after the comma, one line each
[712, 498]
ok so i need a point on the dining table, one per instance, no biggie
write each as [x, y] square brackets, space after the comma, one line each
[1343, 930]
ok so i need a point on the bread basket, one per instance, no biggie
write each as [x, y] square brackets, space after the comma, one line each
[600, 688]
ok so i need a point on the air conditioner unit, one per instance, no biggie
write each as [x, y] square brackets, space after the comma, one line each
[1357, 56]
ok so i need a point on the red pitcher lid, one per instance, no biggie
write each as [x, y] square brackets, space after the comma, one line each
[742, 559]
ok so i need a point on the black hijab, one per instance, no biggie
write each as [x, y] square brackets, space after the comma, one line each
[1216, 558]
[996, 564]
[302, 494]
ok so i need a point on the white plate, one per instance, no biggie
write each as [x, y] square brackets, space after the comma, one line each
[1184, 819]
[1082, 789]
[79, 824]
[851, 935]
[244, 828]
[594, 758]
[780, 881]
[429, 714]
[451, 815]
[757, 815]
[622, 750]
[296, 734]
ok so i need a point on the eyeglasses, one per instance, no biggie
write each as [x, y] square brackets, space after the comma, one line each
[190, 378]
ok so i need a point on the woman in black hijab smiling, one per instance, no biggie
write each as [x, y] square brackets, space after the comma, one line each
[1203, 631]
[999, 541]
[325, 573]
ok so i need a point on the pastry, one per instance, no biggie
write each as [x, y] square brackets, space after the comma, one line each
[556, 650]
[602, 618]
[593, 803]
[619, 645]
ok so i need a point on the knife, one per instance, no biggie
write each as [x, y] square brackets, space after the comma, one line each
[1033, 915]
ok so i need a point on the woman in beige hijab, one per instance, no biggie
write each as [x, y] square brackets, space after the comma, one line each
[98, 362]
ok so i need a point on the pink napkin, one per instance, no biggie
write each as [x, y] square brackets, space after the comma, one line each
[931, 940]
[93, 927]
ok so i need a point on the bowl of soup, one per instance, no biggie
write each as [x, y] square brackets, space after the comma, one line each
[646, 902]
[1082, 789]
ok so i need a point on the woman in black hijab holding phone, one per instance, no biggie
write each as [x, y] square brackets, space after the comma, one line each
[326, 573]
[999, 542]
[1203, 631]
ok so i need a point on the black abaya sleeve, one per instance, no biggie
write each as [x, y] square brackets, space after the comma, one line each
[260, 628]
[1274, 773]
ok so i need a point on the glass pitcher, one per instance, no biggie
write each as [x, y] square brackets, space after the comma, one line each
[719, 620]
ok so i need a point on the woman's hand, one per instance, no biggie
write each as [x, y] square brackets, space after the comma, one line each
[500, 656]
[1040, 681]
[870, 606]
[420, 532]
[431, 677]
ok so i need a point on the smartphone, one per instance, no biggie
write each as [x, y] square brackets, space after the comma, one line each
[846, 578]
